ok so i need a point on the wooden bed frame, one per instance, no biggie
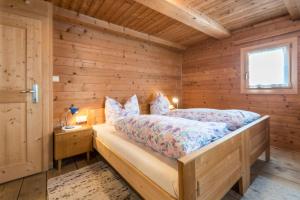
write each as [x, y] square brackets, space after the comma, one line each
[208, 173]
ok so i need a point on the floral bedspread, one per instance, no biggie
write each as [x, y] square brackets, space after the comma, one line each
[233, 118]
[173, 137]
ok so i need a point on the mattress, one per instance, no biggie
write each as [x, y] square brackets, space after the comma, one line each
[160, 169]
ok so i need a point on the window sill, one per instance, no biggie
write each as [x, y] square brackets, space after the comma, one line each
[269, 91]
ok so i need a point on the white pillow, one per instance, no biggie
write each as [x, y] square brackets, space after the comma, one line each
[132, 106]
[114, 110]
[160, 105]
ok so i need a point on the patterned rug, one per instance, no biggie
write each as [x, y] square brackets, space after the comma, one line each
[96, 181]
[100, 181]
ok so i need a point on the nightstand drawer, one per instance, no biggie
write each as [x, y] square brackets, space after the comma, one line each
[72, 143]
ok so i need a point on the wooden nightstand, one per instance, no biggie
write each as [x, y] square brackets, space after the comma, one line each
[71, 143]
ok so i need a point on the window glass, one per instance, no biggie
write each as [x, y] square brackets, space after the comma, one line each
[269, 68]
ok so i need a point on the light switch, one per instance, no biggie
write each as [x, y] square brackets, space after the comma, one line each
[55, 78]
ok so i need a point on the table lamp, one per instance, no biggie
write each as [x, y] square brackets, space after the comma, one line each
[73, 110]
[175, 100]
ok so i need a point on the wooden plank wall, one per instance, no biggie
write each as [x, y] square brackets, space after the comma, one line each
[93, 64]
[211, 78]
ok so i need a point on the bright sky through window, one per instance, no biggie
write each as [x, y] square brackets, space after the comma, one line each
[268, 67]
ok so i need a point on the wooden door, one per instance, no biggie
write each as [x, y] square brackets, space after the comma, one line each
[20, 118]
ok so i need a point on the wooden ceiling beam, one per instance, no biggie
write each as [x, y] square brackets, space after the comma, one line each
[293, 7]
[77, 18]
[187, 16]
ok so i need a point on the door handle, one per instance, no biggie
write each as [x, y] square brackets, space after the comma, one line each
[26, 91]
[34, 92]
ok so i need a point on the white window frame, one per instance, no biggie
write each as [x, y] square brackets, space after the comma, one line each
[293, 68]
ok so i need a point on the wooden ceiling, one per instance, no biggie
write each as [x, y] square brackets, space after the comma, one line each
[131, 14]
[235, 14]
[231, 14]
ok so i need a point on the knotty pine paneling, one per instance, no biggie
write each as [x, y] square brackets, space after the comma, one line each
[136, 16]
[211, 78]
[93, 64]
[234, 14]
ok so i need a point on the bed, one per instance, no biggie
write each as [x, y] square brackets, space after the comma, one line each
[198, 175]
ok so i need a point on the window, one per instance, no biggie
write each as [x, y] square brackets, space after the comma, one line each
[270, 68]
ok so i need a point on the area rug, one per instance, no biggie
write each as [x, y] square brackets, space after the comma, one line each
[100, 181]
[96, 181]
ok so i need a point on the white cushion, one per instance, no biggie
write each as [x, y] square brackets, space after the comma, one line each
[114, 110]
[160, 105]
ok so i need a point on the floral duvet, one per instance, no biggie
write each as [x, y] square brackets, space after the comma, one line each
[233, 118]
[171, 136]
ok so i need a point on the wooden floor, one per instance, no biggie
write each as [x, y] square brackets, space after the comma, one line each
[284, 167]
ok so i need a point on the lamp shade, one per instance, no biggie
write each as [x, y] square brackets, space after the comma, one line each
[175, 100]
[73, 109]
